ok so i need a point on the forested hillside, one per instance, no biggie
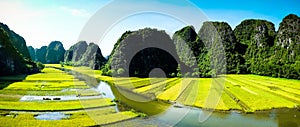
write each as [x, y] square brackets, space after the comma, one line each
[51, 54]
[16, 40]
[55, 52]
[138, 52]
[82, 54]
[269, 52]
[14, 56]
[253, 47]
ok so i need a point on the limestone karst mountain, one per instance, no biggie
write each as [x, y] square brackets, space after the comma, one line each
[82, 54]
[14, 56]
[138, 52]
[55, 52]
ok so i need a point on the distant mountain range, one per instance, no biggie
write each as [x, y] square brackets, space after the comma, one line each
[51, 54]
[253, 47]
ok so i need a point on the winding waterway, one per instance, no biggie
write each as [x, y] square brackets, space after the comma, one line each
[189, 116]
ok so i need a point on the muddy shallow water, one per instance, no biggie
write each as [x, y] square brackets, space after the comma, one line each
[62, 98]
[51, 116]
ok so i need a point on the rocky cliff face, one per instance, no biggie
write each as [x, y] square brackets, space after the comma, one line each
[286, 51]
[93, 57]
[255, 32]
[258, 38]
[288, 38]
[75, 52]
[213, 38]
[52, 54]
[231, 46]
[17, 41]
[189, 48]
[55, 52]
[268, 53]
[82, 54]
[11, 59]
[288, 32]
[188, 35]
[40, 54]
[31, 52]
[220, 43]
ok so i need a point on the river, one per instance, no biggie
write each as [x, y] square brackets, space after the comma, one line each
[162, 114]
[189, 116]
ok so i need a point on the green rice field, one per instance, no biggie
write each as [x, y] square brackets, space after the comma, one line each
[79, 118]
[55, 82]
[246, 93]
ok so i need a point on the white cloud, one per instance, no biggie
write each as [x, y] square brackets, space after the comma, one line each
[76, 12]
[41, 25]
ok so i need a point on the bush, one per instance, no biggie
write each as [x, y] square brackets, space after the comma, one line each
[120, 71]
[40, 65]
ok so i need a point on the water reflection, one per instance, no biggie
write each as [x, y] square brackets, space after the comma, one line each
[232, 119]
[52, 116]
[105, 90]
[275, 118]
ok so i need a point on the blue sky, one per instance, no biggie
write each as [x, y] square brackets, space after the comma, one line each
[234, 11]
[42, 21]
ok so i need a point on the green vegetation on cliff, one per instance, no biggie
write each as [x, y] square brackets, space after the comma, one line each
[258, 36]
[14, 59]
[17, 41]
[31, 52]
[55, 52]
[82, 54]
[268, 53]
[253, 47]
[137, 53]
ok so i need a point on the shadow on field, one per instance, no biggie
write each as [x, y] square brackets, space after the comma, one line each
[7, 80]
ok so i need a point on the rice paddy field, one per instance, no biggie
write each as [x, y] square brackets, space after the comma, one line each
[248, 93]
[79, 118]
[245, 93]
[55, 82]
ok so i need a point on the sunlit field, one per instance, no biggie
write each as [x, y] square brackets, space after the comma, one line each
[245, 93]
[55, 82]
[248, 93]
